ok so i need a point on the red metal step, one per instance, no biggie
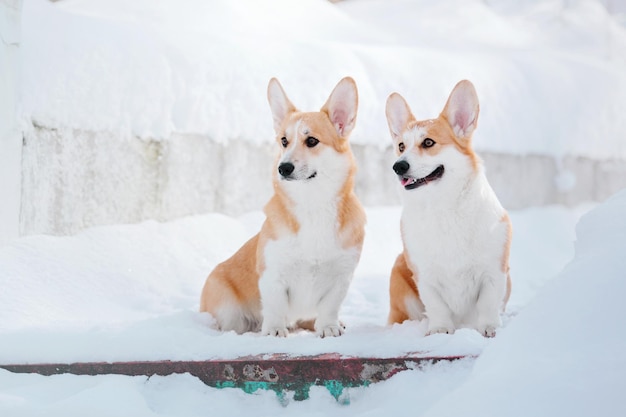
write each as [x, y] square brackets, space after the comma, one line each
[277, 372]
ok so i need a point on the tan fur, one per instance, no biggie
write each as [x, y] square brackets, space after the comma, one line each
[351, 215]
[403, 281]
[440, 129]
[403, 284]
[235, 281]
[404, 275]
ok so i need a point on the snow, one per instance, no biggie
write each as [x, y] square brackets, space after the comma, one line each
[10, 137]
[564, 353]
[552, 79]
[131, 292]
[169, 92]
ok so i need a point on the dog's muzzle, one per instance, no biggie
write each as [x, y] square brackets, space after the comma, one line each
[286, 169]
[408, 182]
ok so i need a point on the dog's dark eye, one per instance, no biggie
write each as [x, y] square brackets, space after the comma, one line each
[284, 142]
[401, 146]
[428, 142]
[310, 142]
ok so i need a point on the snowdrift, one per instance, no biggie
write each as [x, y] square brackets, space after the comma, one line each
[172, 95]
[560, 352]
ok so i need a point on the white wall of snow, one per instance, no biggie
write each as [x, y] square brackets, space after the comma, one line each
[74, 179]
[550, 76]
[10, 134]
[157, 108]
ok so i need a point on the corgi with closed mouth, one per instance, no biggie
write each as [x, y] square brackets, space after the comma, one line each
[454, 269]
[298, 268]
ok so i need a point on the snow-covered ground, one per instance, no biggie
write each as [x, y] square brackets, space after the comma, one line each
[113, 91]
[131, 293]
[144, 282]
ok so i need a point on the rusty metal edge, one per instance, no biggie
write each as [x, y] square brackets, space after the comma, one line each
[266, 368]
[280, 373]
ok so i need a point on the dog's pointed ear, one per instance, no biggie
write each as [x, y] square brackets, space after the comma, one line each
[341, 106]
[462, 109]
[279, 103]
[398, 114]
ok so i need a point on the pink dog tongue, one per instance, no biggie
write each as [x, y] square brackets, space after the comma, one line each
[406, 181]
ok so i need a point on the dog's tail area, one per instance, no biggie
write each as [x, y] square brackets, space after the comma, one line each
[228, 312]
[405, 302]
[231, 292]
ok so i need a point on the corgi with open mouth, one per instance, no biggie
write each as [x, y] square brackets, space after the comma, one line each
[454, 269]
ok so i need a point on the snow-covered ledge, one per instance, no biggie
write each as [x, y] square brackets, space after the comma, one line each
[10, 135]
[74, 179]
[126, 118]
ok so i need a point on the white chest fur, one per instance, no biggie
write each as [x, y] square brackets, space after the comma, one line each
[307, 274]
[456, 243]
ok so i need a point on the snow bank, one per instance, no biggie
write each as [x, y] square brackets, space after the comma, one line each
[71, 186]
[564, 353]
[149, 109]
[10, 136]
[152, 68]
[172, 95]
[131, 292]
[560, 351]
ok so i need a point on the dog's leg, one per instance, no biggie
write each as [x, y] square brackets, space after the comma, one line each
[274, 306]
[488, 305]
[327, 323]
[437, 311]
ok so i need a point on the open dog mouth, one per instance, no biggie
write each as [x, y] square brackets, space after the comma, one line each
[410, 183]
[292, 178]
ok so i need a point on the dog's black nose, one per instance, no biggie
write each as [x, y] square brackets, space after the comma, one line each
[401, 167]
[285, 169]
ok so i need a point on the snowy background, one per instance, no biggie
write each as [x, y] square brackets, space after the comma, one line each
[172, 94]
[131, 112]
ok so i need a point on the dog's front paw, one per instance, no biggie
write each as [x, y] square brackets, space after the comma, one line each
[487, 331]
[440, 330]
[332, 330]
[275, 331]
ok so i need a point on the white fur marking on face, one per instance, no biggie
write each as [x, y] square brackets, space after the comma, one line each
[304, 129]
[296, 129]
[412, 137]
[293, 132]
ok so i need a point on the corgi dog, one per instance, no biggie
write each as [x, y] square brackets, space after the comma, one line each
[296, 271]
[454, 269]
